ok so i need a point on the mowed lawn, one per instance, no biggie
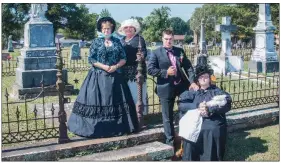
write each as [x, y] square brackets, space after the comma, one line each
[261, 144]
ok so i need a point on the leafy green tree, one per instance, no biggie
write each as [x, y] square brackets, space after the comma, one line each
[86, 25]
[155, 23]
[14, 16]
[188, 39]
[245, 16]
[104, 13]
[275, 16]
[178, 25]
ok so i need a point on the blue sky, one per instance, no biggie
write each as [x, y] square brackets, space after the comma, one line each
[122, 12]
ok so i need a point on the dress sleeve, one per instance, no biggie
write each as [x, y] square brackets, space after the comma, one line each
[186, 101]
[122, 54]
[92, 58]
[143, 49]
[222, 109]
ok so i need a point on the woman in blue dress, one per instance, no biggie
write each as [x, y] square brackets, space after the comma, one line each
[104, 106]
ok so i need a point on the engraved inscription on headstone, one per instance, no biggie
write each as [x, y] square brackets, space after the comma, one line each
[41, 35]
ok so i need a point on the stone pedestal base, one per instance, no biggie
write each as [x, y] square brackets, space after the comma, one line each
[226, 64]
[32, 78]
[263, 66]
[37, 63]
[19, 92]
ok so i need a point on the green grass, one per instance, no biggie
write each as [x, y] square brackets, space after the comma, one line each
[261, 144]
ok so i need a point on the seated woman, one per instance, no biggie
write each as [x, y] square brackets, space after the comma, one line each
[104, 106]
[210, 145]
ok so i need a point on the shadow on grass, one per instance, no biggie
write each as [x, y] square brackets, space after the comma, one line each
[239, 147]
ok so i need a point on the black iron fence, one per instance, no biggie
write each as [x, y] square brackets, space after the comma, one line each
[23, 122]
[246, 89]
[244, 53]
[29, 120]
[250, 89]
[9, 66]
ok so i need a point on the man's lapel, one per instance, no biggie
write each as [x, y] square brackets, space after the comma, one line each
[165, 55]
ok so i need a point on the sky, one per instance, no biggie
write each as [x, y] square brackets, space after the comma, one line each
[121, 12]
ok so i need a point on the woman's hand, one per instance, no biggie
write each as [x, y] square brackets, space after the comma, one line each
[112, 69]
[203, 109]
[106, 68]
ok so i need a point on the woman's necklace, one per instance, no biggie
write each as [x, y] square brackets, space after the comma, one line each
[107, 43]
[127, 40]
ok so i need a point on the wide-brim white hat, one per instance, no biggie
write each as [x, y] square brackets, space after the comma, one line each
[129, 22]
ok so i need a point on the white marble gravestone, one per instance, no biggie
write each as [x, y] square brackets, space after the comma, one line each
[226, 62]
[264, 57]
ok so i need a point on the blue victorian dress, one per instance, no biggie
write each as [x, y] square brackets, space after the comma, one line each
[104, 106]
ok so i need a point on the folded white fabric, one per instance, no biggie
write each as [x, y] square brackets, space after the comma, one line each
[190, 124]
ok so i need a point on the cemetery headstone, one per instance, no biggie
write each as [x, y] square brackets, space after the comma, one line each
[226, 62]
[38, 56]
[264, 57]
[75, 52]
[201, 58]
[10, 44]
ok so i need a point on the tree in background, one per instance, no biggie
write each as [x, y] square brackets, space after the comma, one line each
[245, 16]
[73, 20]
[85, 26]
[155, 23]
[188, 39]
[104, 13]
[14, 16]
[178, 25]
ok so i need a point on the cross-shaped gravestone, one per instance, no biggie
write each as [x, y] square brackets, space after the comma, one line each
[226, 62]
[226, 28]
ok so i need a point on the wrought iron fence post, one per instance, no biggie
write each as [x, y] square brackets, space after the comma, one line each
[140, 81]
[63, 138]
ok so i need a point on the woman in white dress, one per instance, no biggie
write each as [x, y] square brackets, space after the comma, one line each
[130, 29]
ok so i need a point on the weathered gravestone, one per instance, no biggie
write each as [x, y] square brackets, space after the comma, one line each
[226, 62]
[264, 58]
[201, 58]
[10, 44]
[38, 57]
[75, 52]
